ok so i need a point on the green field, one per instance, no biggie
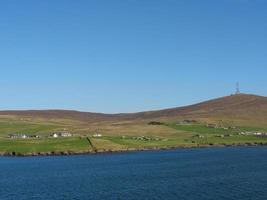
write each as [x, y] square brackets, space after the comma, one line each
[119, 137]
[229, 120]
[48, 145]
[19, 126]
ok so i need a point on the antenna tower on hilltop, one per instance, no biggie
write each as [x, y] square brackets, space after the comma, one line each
[237, 88]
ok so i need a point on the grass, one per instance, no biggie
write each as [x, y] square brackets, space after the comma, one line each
[105, 144]
[18, 127]
[129, 142]
[247, 112]
[211, 134]
[117, 137]
[200, 129]
[75, 144]
[24, 128]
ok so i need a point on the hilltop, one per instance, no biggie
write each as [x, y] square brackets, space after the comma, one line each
[242, 107]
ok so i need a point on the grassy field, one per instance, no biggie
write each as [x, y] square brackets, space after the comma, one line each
[14, 125]
[47, 145]
[204, 135]
[116, 136]
[176, 127]
[190, 135]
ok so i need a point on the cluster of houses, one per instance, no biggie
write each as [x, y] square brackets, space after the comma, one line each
[28, 136]
[146, 138]
[254, 133]
[22, 136]
[199, 136]
[61, 134]
[216, 126]
[67, 134]
[53, 135]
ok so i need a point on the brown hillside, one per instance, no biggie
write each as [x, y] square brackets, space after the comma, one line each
[236, 107]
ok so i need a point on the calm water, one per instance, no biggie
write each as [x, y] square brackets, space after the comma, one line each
[215, 173]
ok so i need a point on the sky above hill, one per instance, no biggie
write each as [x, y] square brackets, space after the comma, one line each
[129, 55]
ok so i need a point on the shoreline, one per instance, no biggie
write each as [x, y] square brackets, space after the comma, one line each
[104, 151]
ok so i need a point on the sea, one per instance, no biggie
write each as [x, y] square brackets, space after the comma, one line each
[236, 173]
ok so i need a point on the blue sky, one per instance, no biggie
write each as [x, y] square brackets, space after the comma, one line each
[129, 55]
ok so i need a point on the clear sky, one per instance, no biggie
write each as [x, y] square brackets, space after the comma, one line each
[129, 55]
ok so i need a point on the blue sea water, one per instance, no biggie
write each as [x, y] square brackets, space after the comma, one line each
[187, 174]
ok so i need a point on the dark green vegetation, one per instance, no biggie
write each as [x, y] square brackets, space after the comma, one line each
[232, 120]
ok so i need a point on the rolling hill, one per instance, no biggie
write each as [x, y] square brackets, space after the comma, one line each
[242, 107]
[234, 114]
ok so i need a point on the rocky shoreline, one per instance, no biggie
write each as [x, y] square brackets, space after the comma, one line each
[102, 151]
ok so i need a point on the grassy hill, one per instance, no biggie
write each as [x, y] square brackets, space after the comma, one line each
[121, 131]
[242, 106]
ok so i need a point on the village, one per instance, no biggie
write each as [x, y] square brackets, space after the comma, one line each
[28, 136]
[262, 134]
[52, 135]
[224, 131]
[247, 133]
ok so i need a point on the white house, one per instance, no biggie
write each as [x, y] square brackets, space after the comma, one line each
[24, 136]
[258, 134]
[55, 135]
[97, 135]
[65, 134]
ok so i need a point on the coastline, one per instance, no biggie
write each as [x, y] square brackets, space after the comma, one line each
[104, 151]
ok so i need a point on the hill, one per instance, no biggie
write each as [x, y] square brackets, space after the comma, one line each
[242, 107]
[232, 120]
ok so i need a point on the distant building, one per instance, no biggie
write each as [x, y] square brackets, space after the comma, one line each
[65, 134]
[259, 134]
[55, 135]
[24, 136]
[18, 136]
[97, 135]
[253, 133]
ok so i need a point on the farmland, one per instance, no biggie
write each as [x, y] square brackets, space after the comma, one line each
[234, 120]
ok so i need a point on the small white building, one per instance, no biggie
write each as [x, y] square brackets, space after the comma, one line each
[24, 136]
[65, 134]
[258, 134]
[97, 135]
[55, 135]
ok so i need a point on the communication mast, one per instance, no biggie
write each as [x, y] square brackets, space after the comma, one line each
[237, 88]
